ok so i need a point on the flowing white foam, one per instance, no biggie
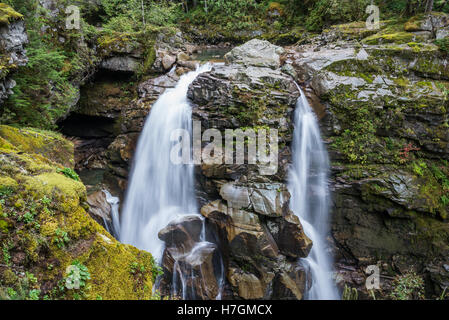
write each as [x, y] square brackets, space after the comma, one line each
[310, 198]
[159, 190]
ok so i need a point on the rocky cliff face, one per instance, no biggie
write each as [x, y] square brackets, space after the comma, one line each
[381, 97]
[247, 213]
[12, 40]
[384, 112]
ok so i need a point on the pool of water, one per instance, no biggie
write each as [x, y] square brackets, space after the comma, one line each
[211, 54]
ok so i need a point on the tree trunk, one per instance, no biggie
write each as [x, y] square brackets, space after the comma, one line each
[143, 13]
[408, 8]
[429, 6]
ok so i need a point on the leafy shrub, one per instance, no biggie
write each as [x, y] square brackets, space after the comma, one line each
[69, 173]
[44, 92]
[444, 200]
[229, 14]
[409, 286]
[77, 276]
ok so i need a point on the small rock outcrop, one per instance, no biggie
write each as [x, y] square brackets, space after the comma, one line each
[12, 52]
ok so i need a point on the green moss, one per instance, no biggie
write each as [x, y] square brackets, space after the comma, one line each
[46, 143]
[398, 37]
[150, 57]
[414, 23]
[46, 205]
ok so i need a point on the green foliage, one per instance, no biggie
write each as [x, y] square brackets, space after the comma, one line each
[419, 167]
[26, 288]
[135, 267]
[328, 12]
[443, 44]
[8, 14]
[45, 91]
[77, 276]
[61, 238]
[444, 200]
[6, 191]
[350, 293]
[229, 14]
[128, 16]
[69, 173]
[6, 255]
[409, 286]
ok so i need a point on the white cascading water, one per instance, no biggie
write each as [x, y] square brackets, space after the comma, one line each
[310, 198]
[114, 227]
[159, 191]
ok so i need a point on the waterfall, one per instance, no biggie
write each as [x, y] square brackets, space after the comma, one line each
[159, 191]
[310, 198]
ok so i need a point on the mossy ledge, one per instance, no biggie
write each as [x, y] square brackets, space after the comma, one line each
[8, 14]
[45, 229]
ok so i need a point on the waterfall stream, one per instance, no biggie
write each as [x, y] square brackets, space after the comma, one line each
[310, 197]
[159, 191]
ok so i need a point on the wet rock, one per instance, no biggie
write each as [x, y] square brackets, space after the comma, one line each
[13, 39]
[200, 270]
[151, 89]
[182, 233]
[182, 56]
[168, 61]
[268, 199]
[99, 208]
[248, 285]
[292, 284]
[257, 53]
[222, 97]
[243, 229]
[290, 237]
[121, 64]
[190, 264]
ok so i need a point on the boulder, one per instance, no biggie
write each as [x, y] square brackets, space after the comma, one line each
[121, 64]
[291, 284]
[237, 96]
[168, 61]
[190, 264]
[290, 237]
[257, 53]
[249, 287]
[99, 208]
[268, 199]
[182, 233]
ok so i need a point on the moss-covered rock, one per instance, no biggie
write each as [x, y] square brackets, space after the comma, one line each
[50, 145]
[46, 231]
[386, 125]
